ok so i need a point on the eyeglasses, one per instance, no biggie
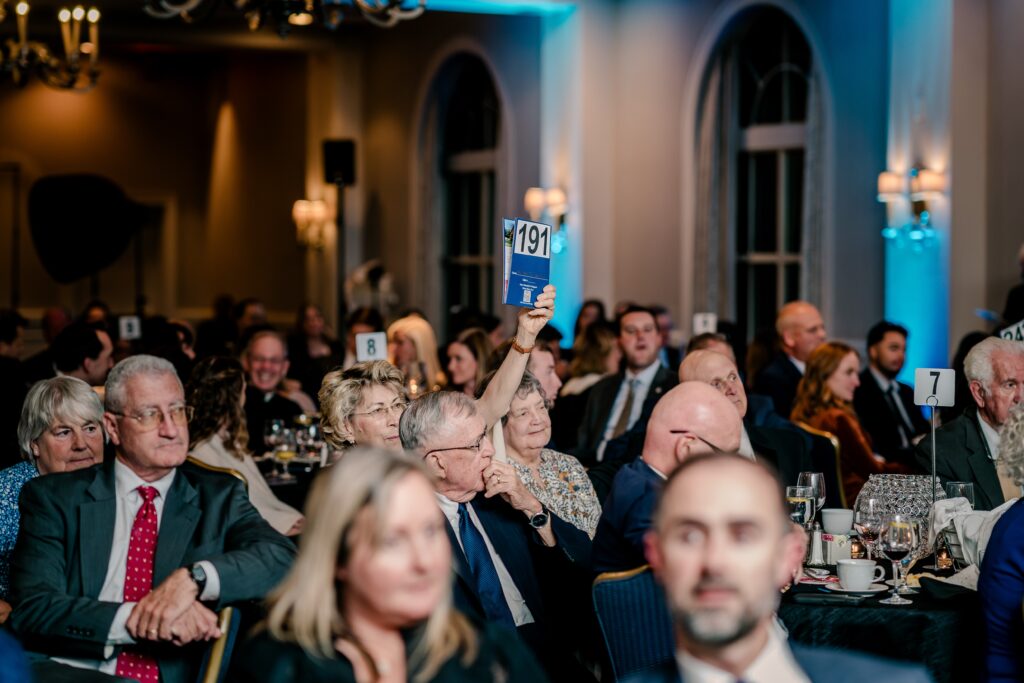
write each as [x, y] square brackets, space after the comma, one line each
[151, 418]
[396, 408]
[475, 448]
[710, 445]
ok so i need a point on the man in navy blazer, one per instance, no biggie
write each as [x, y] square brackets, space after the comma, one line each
[722, 545]
[691, 419]
[801, 330]
[505, 542]
[642, 382]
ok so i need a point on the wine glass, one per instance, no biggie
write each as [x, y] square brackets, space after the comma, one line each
[920, 550]
[272, 430]
[416, 383]
[867, 520]
[897, 542]
[285, 452]
[961, 489]
[801, 504]
[816, 480]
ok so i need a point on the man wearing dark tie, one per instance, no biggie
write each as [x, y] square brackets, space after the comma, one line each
[505, 543]
[119, 567]
[618, 402]
[722, 545]
[884, 405]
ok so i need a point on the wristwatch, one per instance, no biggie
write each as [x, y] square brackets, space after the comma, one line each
[198, 574]
[540, 519]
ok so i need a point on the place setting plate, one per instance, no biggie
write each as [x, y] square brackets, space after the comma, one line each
[873, 588]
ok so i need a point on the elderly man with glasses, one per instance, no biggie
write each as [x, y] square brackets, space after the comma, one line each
[120, 566]
[691, 419]
[504, 542]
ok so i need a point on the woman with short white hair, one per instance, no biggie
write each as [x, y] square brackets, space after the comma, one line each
[61, 430]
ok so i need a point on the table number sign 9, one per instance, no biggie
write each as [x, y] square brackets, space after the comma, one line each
[934, 387]
[371, 346]
[529, 261]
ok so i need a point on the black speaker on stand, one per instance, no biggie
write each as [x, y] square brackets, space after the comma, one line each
[340, 170]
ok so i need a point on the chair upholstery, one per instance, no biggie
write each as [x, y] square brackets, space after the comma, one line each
[634, 620]
[218, 656]
[827, 462]
[225, 470]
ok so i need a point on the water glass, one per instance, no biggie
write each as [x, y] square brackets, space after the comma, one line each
[897, 541]
[816, 480]
[801, 501]
[961, 489]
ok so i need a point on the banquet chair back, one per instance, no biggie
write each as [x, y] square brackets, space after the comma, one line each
[224, 470]
[634, 621]
[825, 456]
[217, 659]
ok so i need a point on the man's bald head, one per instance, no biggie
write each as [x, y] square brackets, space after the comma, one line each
[692, 418]
[718, 371]
[800, 329]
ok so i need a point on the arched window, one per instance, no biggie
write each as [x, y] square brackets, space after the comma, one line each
[468, 157]
[758, 143]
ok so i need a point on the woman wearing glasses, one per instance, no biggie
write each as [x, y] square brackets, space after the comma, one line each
[61, 430]
[217, 428]
[362, 405]
[369, 596]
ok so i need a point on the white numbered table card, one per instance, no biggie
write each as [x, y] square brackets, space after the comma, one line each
[934, 387]
[371, 346]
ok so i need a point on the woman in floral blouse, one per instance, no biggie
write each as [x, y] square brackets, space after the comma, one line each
[558, 480]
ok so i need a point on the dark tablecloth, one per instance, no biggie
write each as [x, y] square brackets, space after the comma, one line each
[945, 634]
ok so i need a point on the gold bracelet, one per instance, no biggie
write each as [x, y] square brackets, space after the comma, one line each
[520, 348]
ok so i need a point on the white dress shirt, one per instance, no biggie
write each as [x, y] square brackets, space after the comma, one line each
[800, 365]
[991, 436]
[521, 613]
[644, 379]
[775, 664]
[128, 502]
[746, 448]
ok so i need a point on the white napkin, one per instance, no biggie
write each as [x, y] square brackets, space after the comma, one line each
[972, 528]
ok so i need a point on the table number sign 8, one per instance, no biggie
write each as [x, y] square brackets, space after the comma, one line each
[371, 346]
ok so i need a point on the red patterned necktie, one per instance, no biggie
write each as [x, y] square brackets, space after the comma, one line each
[138, 581]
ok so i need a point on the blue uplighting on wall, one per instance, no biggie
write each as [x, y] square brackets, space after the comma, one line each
[544, 7]
[567, 277]
[917, 296]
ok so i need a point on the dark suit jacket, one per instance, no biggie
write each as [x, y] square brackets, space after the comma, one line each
[879, 421]
[599, 407]
[962, 455]
[822, 665]
[784, 449]
[625, 517]
[520, 548]
[779, 380]
[1001, 589]
[258, 411]
[63, 549]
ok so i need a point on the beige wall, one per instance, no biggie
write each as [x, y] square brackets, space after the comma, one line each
[220, 138]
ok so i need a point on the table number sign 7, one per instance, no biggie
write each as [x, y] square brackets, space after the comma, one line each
[934, 387]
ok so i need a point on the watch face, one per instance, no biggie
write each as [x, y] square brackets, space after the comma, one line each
[539, 520]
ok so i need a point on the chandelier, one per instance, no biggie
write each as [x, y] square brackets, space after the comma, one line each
[284, 14]
[75, 70]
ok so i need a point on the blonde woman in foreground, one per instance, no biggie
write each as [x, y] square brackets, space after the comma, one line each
[369, 597]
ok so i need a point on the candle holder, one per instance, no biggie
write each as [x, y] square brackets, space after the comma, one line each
[77, 70]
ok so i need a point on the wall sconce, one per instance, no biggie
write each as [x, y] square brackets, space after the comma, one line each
[551, 201]
[311, 217]
[918, 187]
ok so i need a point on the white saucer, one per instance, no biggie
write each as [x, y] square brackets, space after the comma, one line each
[873, 588]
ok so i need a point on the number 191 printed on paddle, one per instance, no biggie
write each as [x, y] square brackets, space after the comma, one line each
[528, 264]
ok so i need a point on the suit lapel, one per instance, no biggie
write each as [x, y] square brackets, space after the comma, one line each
[177, 522]
[96, 530]
[461, 565]
[981, 465]
[607, 401]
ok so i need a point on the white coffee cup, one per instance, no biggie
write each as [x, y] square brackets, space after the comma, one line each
[837, 521]
[858, 575]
